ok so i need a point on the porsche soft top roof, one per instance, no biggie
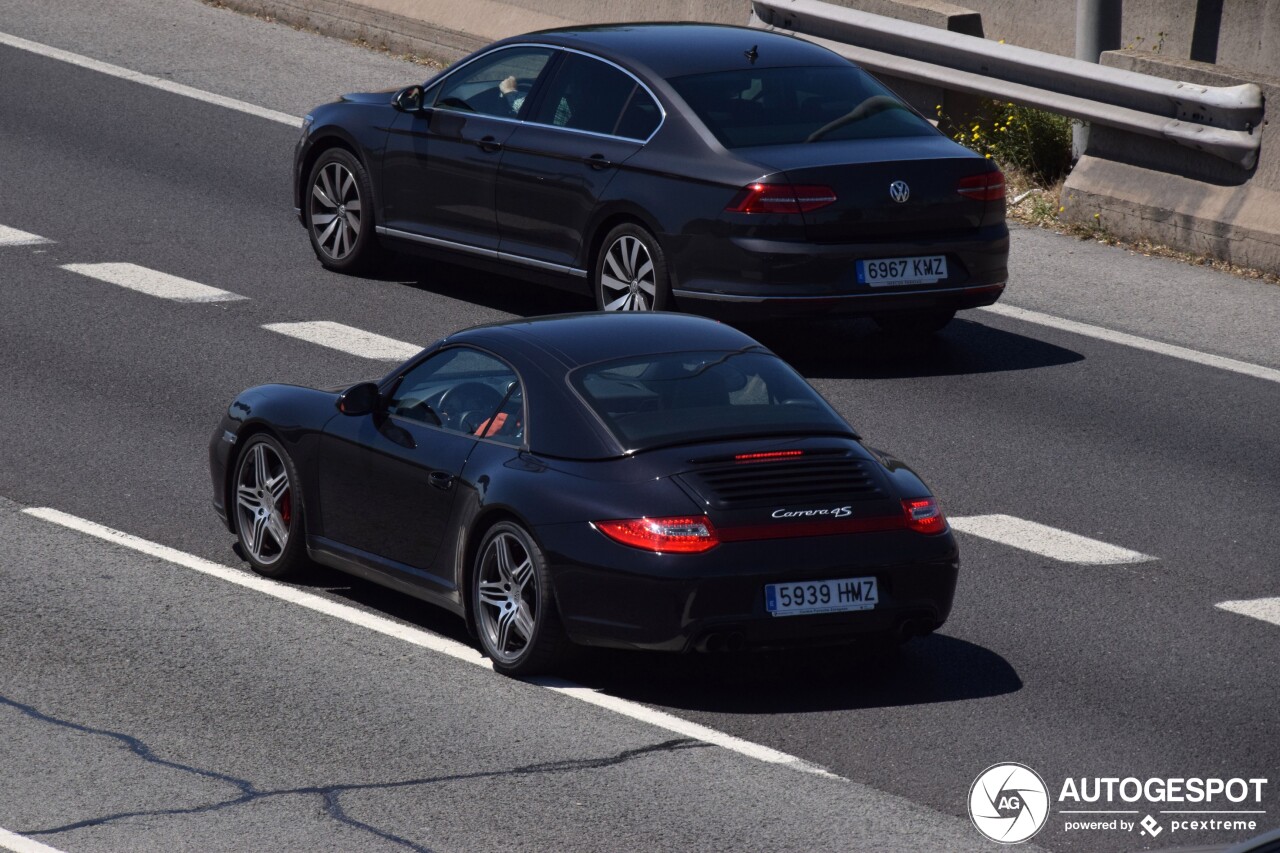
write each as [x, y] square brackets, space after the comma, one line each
[578, 339]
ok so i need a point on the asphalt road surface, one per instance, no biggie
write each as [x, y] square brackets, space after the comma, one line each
[1113, 484]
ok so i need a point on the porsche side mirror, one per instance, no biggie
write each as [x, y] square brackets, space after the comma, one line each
[408, 99]
[359, 399]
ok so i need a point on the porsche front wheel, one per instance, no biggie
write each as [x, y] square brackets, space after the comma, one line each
[268, 509]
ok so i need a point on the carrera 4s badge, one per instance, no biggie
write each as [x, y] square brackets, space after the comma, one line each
[834, 512]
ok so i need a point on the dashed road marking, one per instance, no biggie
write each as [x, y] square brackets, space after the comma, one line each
[14, 237]
[423, 639]
[153, 283]
[1266, 609]
[348, 339]
[147, 80]
[21, 844]
[1257, 371]
[1045, 541]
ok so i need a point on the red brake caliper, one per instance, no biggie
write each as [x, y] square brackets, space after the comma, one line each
[286, 506]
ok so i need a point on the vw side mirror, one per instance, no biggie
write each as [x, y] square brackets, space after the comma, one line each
[408, 99]
[360, 399]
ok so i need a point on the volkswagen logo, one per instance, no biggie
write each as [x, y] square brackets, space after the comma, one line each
[899, 191]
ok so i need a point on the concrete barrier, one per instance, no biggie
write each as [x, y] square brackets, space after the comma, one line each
[1149, 189]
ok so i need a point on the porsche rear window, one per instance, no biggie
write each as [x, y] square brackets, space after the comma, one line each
[782, 106]
[696, 396]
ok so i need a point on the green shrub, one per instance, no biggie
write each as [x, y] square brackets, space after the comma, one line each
[1031, 141]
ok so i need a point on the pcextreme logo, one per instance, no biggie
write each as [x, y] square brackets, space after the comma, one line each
[1008, 803]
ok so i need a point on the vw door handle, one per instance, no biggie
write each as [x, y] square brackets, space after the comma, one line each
[440, 480]
[597, 161]
[490, 144]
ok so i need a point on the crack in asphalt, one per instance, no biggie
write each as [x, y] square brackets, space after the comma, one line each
[329, 793]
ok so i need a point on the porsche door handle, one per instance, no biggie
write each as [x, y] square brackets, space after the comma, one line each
[490, 144]
[597, 161]
[440, 480]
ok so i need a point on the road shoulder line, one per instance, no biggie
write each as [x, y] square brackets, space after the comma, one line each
[147, 80]
[421, 638]
[1257, 371]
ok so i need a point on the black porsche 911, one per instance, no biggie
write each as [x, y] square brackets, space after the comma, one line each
[710, 169]
[650, 481]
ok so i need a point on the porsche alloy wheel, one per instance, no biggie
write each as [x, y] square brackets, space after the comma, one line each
[514, 614]
[631, 273]
[267, 509]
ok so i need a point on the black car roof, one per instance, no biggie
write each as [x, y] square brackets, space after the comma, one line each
[676, 49]
[577, 339]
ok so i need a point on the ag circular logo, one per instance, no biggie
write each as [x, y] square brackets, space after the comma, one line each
[1008, 803]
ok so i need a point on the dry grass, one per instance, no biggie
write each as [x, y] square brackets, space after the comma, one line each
[1041, 207]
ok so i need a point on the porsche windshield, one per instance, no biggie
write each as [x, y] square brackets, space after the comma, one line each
[697, 396]
[781, 106]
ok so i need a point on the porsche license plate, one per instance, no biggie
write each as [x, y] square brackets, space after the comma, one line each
[887, 272]
[800, 598]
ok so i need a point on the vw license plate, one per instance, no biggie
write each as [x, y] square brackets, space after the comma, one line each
[890, 271]
[805, 597]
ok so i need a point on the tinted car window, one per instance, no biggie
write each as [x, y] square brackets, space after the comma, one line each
[462, 390]
[692, 396]
[781, 106]
[479, 87]
[585, 94]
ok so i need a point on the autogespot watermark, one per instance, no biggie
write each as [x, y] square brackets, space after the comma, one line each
[1010, 803]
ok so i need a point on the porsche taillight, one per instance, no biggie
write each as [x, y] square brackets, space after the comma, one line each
[683, 534]
[923, 515]
[989, 186]
[781, 198]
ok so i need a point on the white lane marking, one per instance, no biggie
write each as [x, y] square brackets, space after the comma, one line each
[691, 730]
[348, 339]
[419, 637]
[21, 844]
[1266, 609]
[147, 80]
[1221, 362]
[153, 283]
[14, 237]
[1045, 541]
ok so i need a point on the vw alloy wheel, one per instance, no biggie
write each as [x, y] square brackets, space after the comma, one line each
[629, 280]
[336, 212]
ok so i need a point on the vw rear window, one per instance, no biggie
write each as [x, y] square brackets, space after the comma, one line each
[675, 398]
[784, 106]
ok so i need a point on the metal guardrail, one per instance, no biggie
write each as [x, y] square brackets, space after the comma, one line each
[1223, 121]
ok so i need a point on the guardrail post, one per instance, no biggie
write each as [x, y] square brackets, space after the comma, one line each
[1097, 29]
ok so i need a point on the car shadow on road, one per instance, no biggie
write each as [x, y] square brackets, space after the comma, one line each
[488, 290]
[936, 668]
[931, 669]
[822, 348]
[858, 349]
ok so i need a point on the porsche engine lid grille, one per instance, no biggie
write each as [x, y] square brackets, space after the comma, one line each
[806, 480]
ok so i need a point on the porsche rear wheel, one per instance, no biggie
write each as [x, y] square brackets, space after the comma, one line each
[268, 509]
[515, 612]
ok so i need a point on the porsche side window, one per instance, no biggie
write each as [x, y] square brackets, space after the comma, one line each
[461, 390]
[494, 85]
